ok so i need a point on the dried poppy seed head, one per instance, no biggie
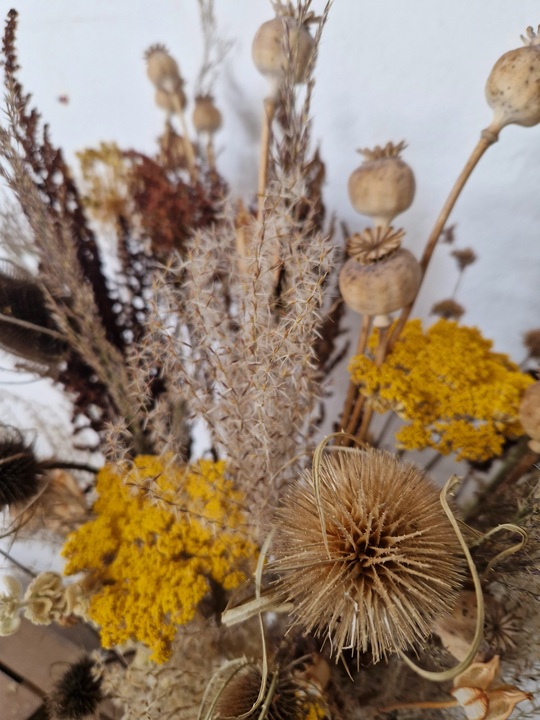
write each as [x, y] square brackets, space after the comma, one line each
[242, 691]
[392, 566]
[77, 694]
[19, 468]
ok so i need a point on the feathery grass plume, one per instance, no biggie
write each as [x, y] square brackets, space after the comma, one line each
[392, 565]
[77, 694]
[20, 472]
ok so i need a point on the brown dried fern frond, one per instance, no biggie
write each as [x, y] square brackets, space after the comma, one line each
[392, 564]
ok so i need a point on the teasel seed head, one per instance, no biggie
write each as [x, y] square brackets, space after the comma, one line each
[77, 694]
[384, 185]
[20, 472]
[513, 86]
[284, 701]
[391, 566]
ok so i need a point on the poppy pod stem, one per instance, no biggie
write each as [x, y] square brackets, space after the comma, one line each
[352, 392]
[190, 154]
[487, 138]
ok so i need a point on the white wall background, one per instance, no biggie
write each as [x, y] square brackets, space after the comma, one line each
[388, 70]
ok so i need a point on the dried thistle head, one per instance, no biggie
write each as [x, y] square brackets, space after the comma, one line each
[391, 565]
[282, 695]
[373, 244]
[20, 472]
[77, 694]
[448, 309]
[464, 257]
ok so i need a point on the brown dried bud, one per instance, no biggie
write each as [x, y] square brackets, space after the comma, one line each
[464, 257]
[448, 309]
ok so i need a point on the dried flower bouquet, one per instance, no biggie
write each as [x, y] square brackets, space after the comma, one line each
[278, 573]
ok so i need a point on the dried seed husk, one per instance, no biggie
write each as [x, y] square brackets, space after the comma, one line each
[383, 186]
[162, 69]
[269, 43]
[513, 86]
[206, 117]
[381, 287]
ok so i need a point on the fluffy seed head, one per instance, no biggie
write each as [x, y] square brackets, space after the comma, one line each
[77, 694]
[19, 468]
[392, 565]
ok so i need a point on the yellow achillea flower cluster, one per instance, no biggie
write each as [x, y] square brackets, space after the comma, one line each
[154, 564]
[456, 394]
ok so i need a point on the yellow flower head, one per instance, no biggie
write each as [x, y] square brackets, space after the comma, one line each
[155, 560]
[455, 393]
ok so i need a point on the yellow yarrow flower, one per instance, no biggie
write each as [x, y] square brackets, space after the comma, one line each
[154, 562]
[455, 393]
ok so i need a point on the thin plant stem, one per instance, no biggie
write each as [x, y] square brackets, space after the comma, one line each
[210, 153]
[268, 117]
[379, 359]
[352, 392]
[426, 705]
[432, 464]
[487, 138]
[190, 153]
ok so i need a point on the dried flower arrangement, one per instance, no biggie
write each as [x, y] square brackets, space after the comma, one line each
[285, 575]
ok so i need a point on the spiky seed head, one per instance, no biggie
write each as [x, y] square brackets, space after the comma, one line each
[77, 694]
[20, 475]
[392, 566]
[284, 703]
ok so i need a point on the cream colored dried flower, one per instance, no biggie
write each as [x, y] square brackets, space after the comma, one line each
[77, 600]
[10, 604]
[45, 599]
[392, 566]
[373, 244]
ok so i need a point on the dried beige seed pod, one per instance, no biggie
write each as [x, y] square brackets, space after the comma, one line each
[373, 244]
[170, 102]
[529, 415]
[206, 117]
[513, 86]
[384, 566]
[380, 287]
[384, 185]
[269, 49]
[162, 69]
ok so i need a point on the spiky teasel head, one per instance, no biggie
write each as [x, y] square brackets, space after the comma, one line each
[373, 244]
[20, 471]
[282, 696]
[388, 563]
[77, 694]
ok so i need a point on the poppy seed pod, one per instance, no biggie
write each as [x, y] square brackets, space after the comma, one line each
[379, 565]
[170, 102]
[162, 69]
[384, 185]
[529, 415]
[269, 49]
[206, 117]
[513, 86]
[380, 287]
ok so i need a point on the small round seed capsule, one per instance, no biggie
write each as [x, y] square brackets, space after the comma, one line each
[269, 49]
[206, 117]
[513, 86]
[384, 185]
